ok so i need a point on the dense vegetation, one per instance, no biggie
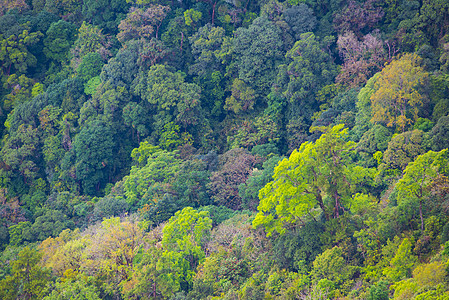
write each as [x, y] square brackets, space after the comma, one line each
[209, 149]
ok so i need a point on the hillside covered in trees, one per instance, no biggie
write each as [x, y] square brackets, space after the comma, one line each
[224, 149]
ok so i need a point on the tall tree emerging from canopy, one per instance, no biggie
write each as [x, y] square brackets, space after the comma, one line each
[397, 99]
[316, 177]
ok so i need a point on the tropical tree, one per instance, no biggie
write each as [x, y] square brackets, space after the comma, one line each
[419, 177]
[397, 99]
[318, 177]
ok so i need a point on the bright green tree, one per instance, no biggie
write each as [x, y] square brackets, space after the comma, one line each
[318, 175]
[402, 263]
[184, 237]
[419, 178]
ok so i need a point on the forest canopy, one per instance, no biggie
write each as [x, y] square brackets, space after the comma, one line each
[216, 149]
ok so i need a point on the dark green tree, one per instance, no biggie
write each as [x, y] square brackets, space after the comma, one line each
[93, 148]
[58, 40]
[258, 52]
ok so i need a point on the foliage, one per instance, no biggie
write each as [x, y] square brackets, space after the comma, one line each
[143, 144]
[396, 100]
[302, 182]
[419, 176]
[28, 280]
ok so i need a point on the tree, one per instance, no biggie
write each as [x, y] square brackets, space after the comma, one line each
[396, 99]
[149, 184]
[106, 14]
[90, 66]
[235, 167]
[93, 148]
[358, 17]
[21, 152]
[309, 67]
[123, 68]
[59, 39]
[330, 265]
[242, 97]
[402, 262]
[190, 184]
[300, 18]
[374, 140]
[137, 116]
[205, 43]
[185, 234]
[142, 23]
[402, 149]
[362, 58]
[14, 54]
[80, 288]
[28, 279]
[440, 134]
[254, 131]
[258, 52]
[152, 52]
[318, 175]
[21, 90]
[249, 191]
[90, 40]
[418, 179]
[118, 243]
[171, 95]
[50, 223]
[433, 18]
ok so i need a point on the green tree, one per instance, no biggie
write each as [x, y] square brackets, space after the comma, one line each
[59, 39]
[21, 152]
[28, 280]
[79, 288]
[309, 67]
[419, 176]
[402, 263]
[206, 43]
[149, 184]
[185, 234]
[90, 66]
[249, 191]
[90, 39]
[258, 52]
[242, 97]
[172, 97]
[440, 134]
[93, 148]
[50, 223]
[15, 56]
[21, 90]
[106, 14]
[402, 149]
[316, 175]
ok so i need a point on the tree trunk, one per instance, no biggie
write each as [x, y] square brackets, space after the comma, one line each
[420, 215]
